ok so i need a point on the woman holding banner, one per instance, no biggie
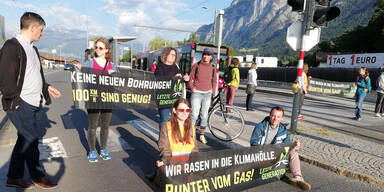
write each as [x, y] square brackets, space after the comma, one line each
[177, 139]
[168, 68]
[177, 136]
[101, 65]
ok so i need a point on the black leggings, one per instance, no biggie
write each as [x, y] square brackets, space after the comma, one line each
[93, 118]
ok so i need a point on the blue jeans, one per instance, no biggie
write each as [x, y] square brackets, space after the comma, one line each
[26, 119]
[165, 115]
[200, 102]
[248, 103]
[359, 99]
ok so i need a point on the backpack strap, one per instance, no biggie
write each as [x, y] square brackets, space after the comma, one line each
[196, 69]
[213, 74]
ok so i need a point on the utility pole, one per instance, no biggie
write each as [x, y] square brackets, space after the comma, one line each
[305, 34]
[218, 37]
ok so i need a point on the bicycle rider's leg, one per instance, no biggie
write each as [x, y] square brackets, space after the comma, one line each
[196, 99]
[205, 104]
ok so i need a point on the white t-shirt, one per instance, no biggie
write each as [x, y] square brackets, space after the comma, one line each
[33, 84]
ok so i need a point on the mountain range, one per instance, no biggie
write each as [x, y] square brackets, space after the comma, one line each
[263, 24]
[248, 24]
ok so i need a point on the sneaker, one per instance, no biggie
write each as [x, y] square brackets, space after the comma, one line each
[300, 117]
[299, 181]
[104, 154]
[92, 157]
[202, 139]
[357, 118]
[378, 115]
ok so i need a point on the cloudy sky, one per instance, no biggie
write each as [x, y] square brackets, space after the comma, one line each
[116, 17]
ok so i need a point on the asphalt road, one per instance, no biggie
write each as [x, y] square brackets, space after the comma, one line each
[134, 151]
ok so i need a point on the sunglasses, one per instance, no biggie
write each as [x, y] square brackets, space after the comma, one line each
[99, 48]
[184, 110]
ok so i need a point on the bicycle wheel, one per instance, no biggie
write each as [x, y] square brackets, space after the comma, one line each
[226, 126]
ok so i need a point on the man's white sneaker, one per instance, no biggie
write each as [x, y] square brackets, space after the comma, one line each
[299, 181]
[378, 115]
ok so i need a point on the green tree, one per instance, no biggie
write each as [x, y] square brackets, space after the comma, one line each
[193, 38]
[126, 56]
[158, 42]
[326, 46]
[367, 38]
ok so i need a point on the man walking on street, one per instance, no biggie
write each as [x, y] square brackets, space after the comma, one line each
[24, 90]
[271, 131]
[203, 84]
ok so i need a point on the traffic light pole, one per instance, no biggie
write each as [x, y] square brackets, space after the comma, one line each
[299, 78]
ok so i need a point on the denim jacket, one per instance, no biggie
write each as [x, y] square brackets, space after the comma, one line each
[363, 83]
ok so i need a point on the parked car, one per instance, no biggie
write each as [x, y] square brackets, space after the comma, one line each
[68, 66]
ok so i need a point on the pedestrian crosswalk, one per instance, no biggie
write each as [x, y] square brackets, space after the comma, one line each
[144, 128]
[54, 148]
[51, 148]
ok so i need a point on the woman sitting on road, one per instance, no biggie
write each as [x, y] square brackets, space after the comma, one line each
[177, 136]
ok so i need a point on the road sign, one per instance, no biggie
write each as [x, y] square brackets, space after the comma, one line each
[294, 37]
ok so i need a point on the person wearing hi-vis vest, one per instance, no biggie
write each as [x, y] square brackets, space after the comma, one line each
[177, 136]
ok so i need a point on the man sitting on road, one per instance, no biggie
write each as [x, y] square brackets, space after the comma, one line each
[271, 131]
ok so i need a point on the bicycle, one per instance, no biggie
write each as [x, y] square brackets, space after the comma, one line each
[224, 121]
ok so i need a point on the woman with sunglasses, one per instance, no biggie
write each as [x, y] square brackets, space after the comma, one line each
[177, 136]
[101, 64]
[168, 68]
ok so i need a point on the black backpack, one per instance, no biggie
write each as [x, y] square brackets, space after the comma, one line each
[228, 75]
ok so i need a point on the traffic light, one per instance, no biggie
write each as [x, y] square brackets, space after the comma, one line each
[297, 5]
[320, 13]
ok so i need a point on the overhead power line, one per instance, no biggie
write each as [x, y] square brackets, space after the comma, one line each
[170, 29]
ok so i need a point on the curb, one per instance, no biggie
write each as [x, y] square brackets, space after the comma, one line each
[343, 172]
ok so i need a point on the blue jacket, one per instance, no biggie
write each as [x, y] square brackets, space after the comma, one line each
[260, 134]
[363, 83]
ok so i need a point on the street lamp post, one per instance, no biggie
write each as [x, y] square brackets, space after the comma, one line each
[218, 29]
[87, 24]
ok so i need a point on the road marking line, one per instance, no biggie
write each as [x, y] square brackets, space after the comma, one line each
[114, 142]
[153, 134]
[144, 128]
[51, 148]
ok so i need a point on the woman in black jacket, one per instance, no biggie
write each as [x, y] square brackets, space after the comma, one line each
[168, 68]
